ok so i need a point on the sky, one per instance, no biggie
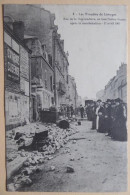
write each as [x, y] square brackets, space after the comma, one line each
[95, 51]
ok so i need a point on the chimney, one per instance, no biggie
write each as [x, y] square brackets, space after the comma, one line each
[18, 29]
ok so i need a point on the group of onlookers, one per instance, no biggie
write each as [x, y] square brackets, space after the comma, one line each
[67, 111]
[109, 117]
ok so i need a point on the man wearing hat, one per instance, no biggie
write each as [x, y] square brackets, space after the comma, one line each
[99, 116]
[108, 119]
[119, 125]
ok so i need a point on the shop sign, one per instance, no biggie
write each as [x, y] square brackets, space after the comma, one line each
[13, 72]
[13, 56]
[24, 63]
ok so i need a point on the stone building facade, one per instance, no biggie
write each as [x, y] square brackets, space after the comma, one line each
[42, 94]
[49, 62]
[40, 23]
[100, 95]
[117, 86]
[61, 65]
[17, 75]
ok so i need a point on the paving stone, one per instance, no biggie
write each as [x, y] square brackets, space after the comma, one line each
[52, 168]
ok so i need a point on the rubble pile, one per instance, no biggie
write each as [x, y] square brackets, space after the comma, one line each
[37, 142]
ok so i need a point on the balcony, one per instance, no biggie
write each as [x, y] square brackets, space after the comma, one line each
[61, 88]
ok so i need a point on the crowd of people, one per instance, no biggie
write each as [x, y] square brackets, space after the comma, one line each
[108, 117]
[67, 111]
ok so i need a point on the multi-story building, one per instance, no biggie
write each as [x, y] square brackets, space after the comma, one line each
[17, 74]
[40, 23]
[42, 72]
[61, 71]
[117, 86]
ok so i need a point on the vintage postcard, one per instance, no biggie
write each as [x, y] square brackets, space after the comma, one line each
[65, 97]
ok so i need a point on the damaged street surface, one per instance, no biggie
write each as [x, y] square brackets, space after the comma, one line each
[76, 159]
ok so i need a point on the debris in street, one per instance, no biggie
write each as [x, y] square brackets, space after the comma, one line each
[104, 180]
[50, 157]
[18, 135]
[26, 171]
[17, 186]
[38, 146]
[74, 141]
[41, 160]
[38, 170]
[77, 138]
[63, 124]
[72, 159]
[79, 122]
[70, 169]
[26, 181]
[52, 168]
[26, 164]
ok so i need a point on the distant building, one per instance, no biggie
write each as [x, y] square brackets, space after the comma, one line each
[117, 86]
[100, 95]
[17, 74]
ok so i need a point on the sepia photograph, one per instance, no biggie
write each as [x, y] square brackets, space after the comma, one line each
[65, 97]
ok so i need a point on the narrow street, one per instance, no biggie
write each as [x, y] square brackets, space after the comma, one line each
[99, 164]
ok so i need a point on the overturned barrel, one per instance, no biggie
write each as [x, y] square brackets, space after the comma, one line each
[63, 124]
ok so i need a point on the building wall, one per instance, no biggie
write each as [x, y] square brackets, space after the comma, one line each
[41, 70]
[16, 109]
[61, 72]
[100, 95]
[16, 64]
[44, 74]
[42, 78]
[39, 23]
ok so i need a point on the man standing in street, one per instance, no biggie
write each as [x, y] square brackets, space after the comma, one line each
[71, 110]
[81, 111]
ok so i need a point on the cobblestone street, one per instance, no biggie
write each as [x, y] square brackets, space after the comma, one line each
[99, 163]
